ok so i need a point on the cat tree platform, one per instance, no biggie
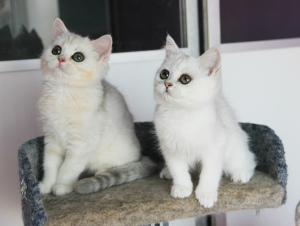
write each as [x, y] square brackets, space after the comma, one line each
[148, 200]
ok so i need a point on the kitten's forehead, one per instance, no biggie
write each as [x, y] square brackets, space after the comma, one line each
[74, 41]
[179, 63]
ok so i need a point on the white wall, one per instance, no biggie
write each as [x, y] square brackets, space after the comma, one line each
[264, 88]
[135, 80]
[261, 85]
[19, 92]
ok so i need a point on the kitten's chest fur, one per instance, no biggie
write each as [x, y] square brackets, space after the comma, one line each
[188, 129]
[67, 111]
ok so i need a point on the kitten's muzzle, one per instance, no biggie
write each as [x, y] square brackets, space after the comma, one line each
[61, 59]
[167, 84]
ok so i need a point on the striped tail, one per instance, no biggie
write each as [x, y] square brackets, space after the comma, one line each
[118, 175]
[297, 216]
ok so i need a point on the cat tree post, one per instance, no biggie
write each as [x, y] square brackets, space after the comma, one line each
[148, 200]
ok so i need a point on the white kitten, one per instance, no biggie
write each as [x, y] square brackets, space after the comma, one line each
[86, 122]
[194, 124]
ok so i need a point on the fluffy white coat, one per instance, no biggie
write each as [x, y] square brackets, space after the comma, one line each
[194, 124]
[86, 122]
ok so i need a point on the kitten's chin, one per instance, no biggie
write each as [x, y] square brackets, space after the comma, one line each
[164, 98]
[49, 68]
[167, 100]
[60, 69]
[64, 71]
[58, 72]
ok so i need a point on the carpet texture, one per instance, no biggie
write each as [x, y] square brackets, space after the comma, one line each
[148, 200]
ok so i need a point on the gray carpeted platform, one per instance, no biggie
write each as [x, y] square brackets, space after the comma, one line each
[148, 200]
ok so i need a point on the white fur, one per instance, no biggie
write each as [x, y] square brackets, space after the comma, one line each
[86, 122]
[195, 124]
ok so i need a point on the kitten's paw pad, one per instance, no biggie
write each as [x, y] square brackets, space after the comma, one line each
[240, 177]
[181, 191]
[165, 174]
[207, 199]
[85, 186]
[61, 189]
[45, 188]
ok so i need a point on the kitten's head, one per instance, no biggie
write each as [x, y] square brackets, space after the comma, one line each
[187, 81]
[75, 60]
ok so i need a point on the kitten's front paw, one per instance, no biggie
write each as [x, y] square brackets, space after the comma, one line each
[45, 188]
[206, 199]
[165, 174]
[240, 177]
[61, 189]
[181, 191]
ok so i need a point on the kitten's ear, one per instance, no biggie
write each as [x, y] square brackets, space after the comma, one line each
[59, 28]
[103, 46]
[211, 60]
[171, 47]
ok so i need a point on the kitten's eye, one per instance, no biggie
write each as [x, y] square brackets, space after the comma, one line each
[56, 50]
[78, 57]
[185, 79]
[164, 74]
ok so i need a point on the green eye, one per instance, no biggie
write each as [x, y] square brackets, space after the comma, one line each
[78, 57]
[56, 50]
[185, 79]
[164, 74]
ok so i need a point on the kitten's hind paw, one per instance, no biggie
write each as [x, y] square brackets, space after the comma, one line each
[165, 174]
[61, 189]
[45, 188]
[206, 199]
[181, 191]
[240, 177]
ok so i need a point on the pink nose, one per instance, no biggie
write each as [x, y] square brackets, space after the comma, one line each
[61, 59]
[167, 84]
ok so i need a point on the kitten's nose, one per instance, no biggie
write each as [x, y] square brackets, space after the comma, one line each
[167, 84]
[61, 59]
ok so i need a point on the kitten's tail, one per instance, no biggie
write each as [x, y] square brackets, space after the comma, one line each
[118, 175]
[297, 216]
